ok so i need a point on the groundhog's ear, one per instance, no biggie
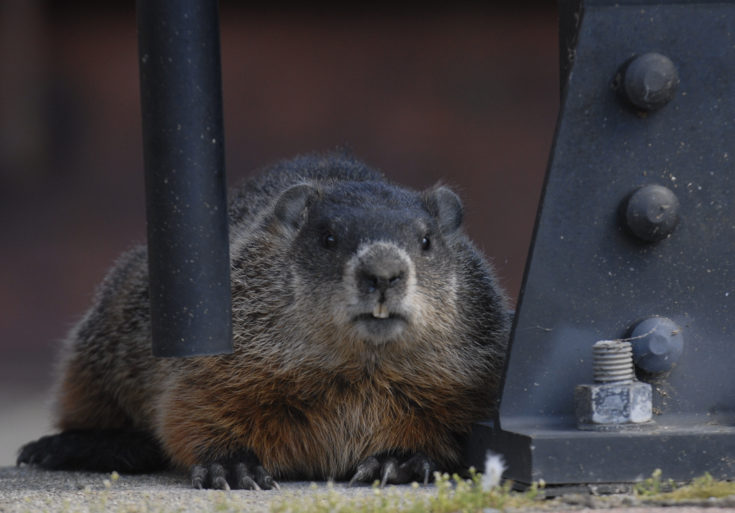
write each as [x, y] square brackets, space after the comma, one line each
[292, 205]
[446, 206]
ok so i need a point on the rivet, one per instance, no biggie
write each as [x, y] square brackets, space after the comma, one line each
[652, 212]
[649, 81]
[657, 344]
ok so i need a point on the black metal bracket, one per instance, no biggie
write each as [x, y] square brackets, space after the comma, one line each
[637, 222]
[186, 205]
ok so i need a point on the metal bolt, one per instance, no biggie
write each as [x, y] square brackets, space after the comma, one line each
[652, 212]
[613, 361]
[657, 344]
[650, 81]
[616, 398]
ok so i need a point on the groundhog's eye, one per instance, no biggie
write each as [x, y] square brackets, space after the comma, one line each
[425, 243]
[329, 240]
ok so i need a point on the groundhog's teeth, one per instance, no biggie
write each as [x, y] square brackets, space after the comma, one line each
[380, 311]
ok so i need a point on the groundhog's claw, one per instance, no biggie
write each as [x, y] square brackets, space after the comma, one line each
[366, 471]
[243, 472]
[261, 476]
[212, 476]
[388, 470]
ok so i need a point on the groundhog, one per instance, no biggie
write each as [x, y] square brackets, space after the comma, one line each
[369, 333]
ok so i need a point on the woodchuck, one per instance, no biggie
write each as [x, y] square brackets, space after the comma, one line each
[369, 333]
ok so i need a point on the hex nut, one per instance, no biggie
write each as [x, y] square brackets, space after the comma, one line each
[613, 403]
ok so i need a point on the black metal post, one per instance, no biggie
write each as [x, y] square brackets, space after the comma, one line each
[633, 240]
[183, 147]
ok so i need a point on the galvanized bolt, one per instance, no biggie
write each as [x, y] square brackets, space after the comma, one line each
[657, 344]
[616, 398]
[652, 212]
[613, 361]
[650, 81]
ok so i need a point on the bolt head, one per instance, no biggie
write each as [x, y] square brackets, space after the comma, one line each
[652, 213]
[650, 81]
[660, 345]
[613, 404]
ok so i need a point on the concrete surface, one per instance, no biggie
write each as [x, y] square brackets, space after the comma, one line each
[30, 490]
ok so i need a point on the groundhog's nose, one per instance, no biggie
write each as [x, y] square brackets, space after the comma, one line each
[370, 282]
[381, 269]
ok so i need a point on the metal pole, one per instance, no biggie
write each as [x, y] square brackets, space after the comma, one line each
[183, 148]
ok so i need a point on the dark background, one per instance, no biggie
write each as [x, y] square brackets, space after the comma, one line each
[466, 95]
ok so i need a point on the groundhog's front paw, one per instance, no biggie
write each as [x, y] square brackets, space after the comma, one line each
[242, 471]
[391, 469]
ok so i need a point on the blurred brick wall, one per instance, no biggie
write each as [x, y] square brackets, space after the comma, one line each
[465, 96]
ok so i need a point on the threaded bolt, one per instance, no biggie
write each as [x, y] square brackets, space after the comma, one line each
[613, 361]
[616, 398]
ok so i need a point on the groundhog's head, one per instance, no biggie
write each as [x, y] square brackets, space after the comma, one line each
[372, 262]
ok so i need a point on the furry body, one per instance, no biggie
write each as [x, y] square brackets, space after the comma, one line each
[365, 323]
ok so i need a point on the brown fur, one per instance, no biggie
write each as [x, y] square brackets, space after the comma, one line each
[302, 390]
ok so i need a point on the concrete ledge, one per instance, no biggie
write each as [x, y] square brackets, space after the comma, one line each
[31, 490]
